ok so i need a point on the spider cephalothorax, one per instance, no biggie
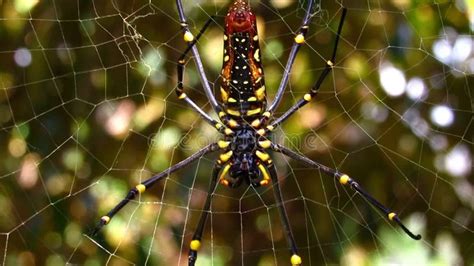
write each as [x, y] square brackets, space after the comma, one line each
[244, 165]
[246, 121]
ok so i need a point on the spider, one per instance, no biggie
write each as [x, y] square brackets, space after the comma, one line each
[245, 120]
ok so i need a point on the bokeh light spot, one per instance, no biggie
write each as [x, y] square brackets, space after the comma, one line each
[22, 57]
[442, 116]
[392, 80]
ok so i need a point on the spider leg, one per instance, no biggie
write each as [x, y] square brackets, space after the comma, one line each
[344, 179]
[295, 258]
[299, 40]
[188, 37]
[181, 67]
[140, 188]
[195, 243]
[315, 89]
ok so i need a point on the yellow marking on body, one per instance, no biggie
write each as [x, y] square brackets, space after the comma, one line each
[221, 114]
[265, 144]
[330, 63]
[218, 125]
[267, 114]
[226, 58]
[254, 111]
[299, 39]
[224, 95]
[105, 219]
[391, 216]
[188, 36]
[223, 144]
[228, 131]
[344, 179]
[232, 100]
[222, 175]
[262, 155]
[182, 96]
[260, 93]
[295, 260]
[195, 245]
[266, 175]
[225, 37]
[224, 157]
[271, 128]
[141, 188]
[252, 99]
[264, 182]
[255, 123]
[233, 112]
[260, 70]
[261, 132]
[307, 97]
[256, 55]
[255, 38]
[258, 80]
[233, 123]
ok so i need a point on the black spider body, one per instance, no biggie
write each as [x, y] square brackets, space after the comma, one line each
[244, 162]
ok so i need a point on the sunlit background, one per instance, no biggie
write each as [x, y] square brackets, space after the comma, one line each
[88, 110]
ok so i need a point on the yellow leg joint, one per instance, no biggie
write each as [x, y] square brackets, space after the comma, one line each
[182, 96]
[223, 144]
[307, 97]
[295, 260]
[256, 123]
[228, 131]
[195, 245]
[141, 188]
[188, 36]
[391, 216]
[106, 219]
[330, 63]
[344, 179]
[299, 39]
[265, 144]
[233, 123]
[224, 157]
[262, 155]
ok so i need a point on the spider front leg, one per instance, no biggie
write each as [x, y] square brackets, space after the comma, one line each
[191, 40]
[195, 243]
[298, 41]
[315, 89]
[140, 188]
[346, 180]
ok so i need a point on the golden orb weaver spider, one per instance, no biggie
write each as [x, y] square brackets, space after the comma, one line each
[245, 120]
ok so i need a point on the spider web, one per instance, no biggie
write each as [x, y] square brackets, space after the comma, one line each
[88, 110]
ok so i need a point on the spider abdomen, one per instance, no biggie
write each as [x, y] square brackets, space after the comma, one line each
[243, 86]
